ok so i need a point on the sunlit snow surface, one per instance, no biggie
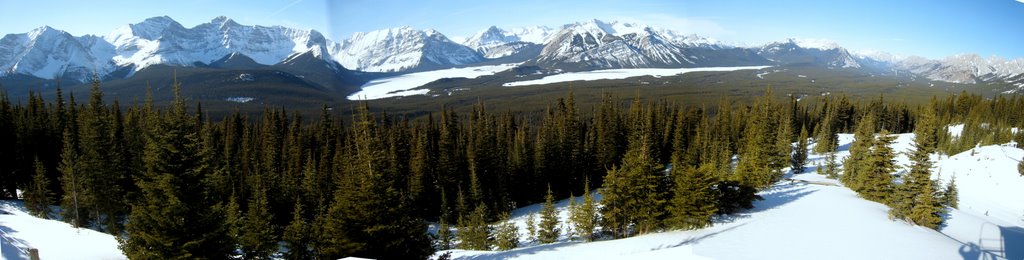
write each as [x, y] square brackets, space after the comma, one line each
[53, 239]
[813, 221]
[621, 74]
[398, 86]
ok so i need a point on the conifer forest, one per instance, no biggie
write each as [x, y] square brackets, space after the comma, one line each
[171, 182]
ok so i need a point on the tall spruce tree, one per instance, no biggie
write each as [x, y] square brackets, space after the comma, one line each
[799, 158]
[694, 199]
[876, 178]
[630, 192]
[856, 164]
[916, 198]
[548, 230]
[174, 218]
[354, 226]
[950, 196]
[474, 232]
[37, 196]
[296, 235]
[72, 183]
[258, 238]
[584, 217]
[506, 235]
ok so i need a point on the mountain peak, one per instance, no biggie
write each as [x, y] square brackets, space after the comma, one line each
[821, 44]
[223, 21]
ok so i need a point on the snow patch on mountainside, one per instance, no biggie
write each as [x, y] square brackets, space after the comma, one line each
[620, 74]
[400, 85]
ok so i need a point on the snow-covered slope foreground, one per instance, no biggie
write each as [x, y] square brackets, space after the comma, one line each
[399, 86]
[816, 218]
[53, 239]
[621, 74]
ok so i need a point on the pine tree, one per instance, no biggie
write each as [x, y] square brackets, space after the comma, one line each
[474, 232]
[855, 164]
[506, 236]
[831, 167]
[799, 158]
[584, 217]
[694, 201]
[296, 235]
[950, 196]
[916, 198]
[631, 191]
[531, 227]
[444, 236]
[173, 218]
[258, 239]
[880, 163]
[71, 181]
[37, 196]
[548, 230]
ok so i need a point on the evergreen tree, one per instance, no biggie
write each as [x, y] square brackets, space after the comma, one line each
[950, 196]
[72, 183]
[584, 217]
[855, 164]
[258, 239]
[915, 199]
[444, 236]
[506, 235]
[174, 218]
[531, 227]
[37, 196]
[474, 232]
[296, 235]
[694, 200]
[876, 178]
[631, 192]
[799, 158]
[354, 226]
[831, 167]
[548, 230]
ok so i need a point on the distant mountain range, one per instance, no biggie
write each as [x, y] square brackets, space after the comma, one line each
[47, 53]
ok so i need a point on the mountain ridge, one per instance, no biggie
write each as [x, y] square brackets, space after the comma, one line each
[47, 53]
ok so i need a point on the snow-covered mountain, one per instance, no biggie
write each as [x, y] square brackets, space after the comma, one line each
[402, 49]
[820, 52]
[495, 42]
[46, 53]
[161, 40]
[963, 68]
[50, 53]
[601, 45]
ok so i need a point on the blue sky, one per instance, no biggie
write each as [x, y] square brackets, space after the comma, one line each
[933, 29]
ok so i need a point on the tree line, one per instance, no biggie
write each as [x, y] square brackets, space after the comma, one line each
[172, 182]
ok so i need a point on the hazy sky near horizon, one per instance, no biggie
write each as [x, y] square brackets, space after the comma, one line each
[933, 29]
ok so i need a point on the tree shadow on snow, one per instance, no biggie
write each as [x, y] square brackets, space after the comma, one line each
[779, 195]
[9, 246]
[520, 251]
[697, 238]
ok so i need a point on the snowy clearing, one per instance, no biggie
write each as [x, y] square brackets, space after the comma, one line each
[54, 239]
[400, 85]
[621, 74]
[808, 220]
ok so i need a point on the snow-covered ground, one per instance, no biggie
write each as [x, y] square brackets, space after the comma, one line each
[620, 74]
[400, 85]
[815, 220]
[53, 239]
